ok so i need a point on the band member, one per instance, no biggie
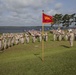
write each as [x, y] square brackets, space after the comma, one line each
[46, 36]
[71, 39]
[33, 38]
[22, 38]
[0, 43]
[27, 38]
[40, 37]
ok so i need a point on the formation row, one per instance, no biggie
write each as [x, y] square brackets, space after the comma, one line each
[10, 39]
[63, 35]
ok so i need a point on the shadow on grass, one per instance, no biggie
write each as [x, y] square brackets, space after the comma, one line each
[65, 46]
[37, 55]
[51, 40]
[1, 52]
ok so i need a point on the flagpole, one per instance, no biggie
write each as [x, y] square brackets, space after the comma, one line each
[42, 40]
[45, 19]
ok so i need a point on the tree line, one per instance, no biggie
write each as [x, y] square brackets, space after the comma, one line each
[66, 20]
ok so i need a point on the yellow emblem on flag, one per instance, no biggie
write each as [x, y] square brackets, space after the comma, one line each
[47, 18]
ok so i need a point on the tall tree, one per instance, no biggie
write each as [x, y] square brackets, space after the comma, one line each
[66, 20]
[58, 19]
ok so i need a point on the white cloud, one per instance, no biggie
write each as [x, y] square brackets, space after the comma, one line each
[26, 12]
[52, 12]
[22, 12]
[26, 3]
[58, 6]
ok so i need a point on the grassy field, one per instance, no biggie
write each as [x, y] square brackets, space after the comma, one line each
[25, 59]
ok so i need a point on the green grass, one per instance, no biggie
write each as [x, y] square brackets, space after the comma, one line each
[25, 59]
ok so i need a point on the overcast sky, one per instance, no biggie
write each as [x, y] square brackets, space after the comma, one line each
[29, 12]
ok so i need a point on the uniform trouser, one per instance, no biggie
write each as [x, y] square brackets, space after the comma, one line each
[60, 37]
[22, 40]
[9, 42]
[54, 37]
[12, 42]
[0, 45]
[40, 38]
[71, 43]
[5, 44]
[66, 37]
[46, 38]
[33, 39]
[27, 40]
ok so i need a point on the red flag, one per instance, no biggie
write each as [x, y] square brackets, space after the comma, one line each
[46, 18]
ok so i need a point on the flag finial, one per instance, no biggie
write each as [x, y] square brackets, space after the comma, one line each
[43, 11]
